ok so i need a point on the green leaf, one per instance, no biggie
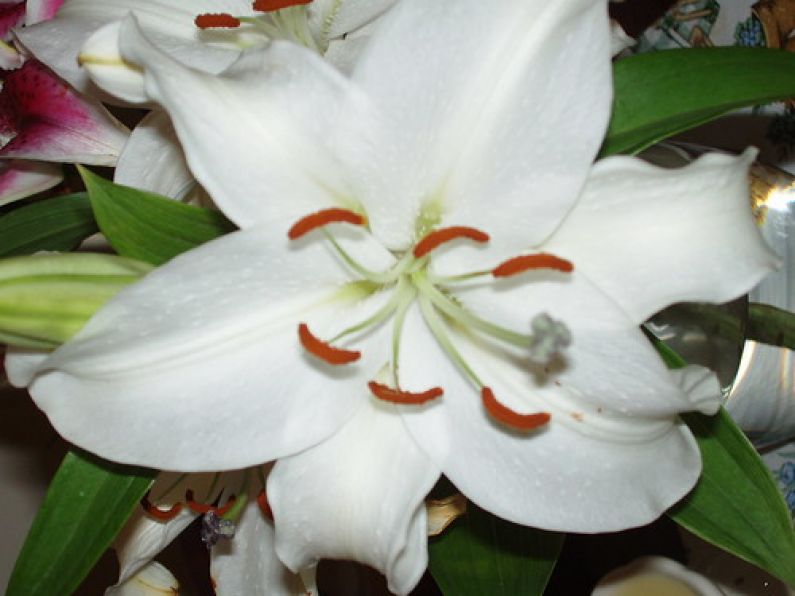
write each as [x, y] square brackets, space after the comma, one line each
[770, 325]
[662, 93]
[58, 224]
[88, 502]
[736, 504]
[149, 227]
[483, 554]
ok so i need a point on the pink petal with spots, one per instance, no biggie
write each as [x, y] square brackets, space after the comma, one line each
[42, 118]
[41, 10]
[11, 15]
[20, 179]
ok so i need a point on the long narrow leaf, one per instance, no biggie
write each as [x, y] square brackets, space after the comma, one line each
[663, 93]
[88, 502]
[146, 226]
[736, 504]
[483, 554]
[58, 224]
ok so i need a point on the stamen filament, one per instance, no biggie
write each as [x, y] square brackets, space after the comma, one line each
[506, 416]
[384, 277]
[323, 350]
[454, 311]
[322, 218]
[157, 513]
[437, 328]
[380, 315]
[397, 396]
[219, 20]
[272, 5]
[524, 263]
[397, 331]
[433, 239]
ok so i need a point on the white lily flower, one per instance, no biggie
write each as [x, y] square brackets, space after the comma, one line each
[90, 29]
[246, 565]
[452, 177]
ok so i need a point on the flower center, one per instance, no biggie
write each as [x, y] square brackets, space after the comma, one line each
[410, 280]
[280, 19]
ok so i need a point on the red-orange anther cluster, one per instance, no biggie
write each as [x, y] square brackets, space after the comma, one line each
[215, 21]
[160, 514]
[526, 262]
[506, 416]
[322, 218]
[271, 5]
[433, 239]
[397, 396]
[323, 350]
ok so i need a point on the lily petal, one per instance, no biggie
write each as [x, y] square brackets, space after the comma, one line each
[38, 11]
[58, 42]
[584, 471]
[370, 509]
[11, 15]
[143, 537]
[43, 118]
[335, 18]
[492, 117]
[214, 332]
[248, 564]
[152, 159]
[272, 113]
[20, 179]
[650, 236]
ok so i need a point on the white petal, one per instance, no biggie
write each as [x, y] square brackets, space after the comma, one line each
[347, 16]
[152, 580]
[170, 22]
[701, 386]
[21, 365]
[153, 160]
[20, 179]
[210, 340]
[37, 11]
[144, 537]
[482, 113]
[649, 236]
[609, 364]
[585, 471]
[247, 564]
[358, 495]
[271, 115]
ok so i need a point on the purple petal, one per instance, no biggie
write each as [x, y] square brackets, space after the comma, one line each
[41, 117]
[11, 15]
[20, 179]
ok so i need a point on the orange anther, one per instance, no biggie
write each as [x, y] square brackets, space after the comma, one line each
[194, 505]
[323, 350]
[396, 396]
[217, 20]
[271, 5]
[506, 416]
[322, 218]
[526, 262]
[265, 507]
[160, 514]
[229, 502]
[442, 235]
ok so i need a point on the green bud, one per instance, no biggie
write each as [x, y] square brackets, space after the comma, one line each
[46, 298]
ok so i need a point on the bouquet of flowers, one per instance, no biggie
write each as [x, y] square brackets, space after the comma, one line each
[356, 255]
